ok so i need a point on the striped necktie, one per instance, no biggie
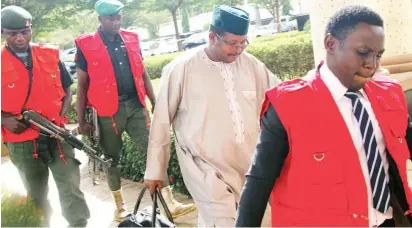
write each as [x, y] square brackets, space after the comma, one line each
[377, 177]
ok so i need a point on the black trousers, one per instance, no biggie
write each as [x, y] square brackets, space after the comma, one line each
[388, 223]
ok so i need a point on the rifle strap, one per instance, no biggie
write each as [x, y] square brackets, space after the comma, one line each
[29, 67]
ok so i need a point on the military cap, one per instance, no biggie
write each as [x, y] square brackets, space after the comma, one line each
[108, 7]
[231, 19]
[15, 18]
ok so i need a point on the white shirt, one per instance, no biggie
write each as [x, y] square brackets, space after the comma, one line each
[338, 90]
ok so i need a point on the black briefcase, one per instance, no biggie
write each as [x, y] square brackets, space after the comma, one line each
[149, 216]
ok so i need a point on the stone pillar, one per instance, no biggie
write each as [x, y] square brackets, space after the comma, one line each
[396, 14]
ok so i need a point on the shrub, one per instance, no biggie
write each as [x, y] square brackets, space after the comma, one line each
[132, 160]
[288, 55]
[277, 37]
[133, 163]
[71, 113]
[307, 27]
[19, 211]
[74, 87]
[154, 64]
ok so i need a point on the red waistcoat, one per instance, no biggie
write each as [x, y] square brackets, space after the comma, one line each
[102, 93]
[46, 93]
[322, 183]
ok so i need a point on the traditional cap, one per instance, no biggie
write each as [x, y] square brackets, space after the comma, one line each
[231, 19]
[108, 7]
[15, 17]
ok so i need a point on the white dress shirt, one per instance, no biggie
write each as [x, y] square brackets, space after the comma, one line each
[338, 90]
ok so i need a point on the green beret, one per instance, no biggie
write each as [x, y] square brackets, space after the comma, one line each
[108, 7]
[231, 19]
[15, 17]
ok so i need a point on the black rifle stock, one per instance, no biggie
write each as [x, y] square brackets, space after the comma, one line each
[62, 135]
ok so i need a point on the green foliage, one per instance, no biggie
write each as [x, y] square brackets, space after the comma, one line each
[228, 2]
[85, 21]
[172, 6]
[185, 20]
[283, 35]
[206, 26]
[71, 113]
[277, 8]
[47, 14]
[286, 7]
[19, 211]
[74, 87]
[133, 163]
[288, 55]
[152, 20]
[160, 5]
[130, 13]
[307, 27]
[154, 64]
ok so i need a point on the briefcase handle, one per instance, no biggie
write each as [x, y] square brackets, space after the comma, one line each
[157, 194]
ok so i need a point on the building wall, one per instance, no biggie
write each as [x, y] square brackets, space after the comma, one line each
[396, 14]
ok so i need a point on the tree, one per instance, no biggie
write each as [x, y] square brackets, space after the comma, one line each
[195, 7]
[84, 22]
[172, 6]
[152, 21]
[129, 11]
[273, 6]
[47, 14]
[286, 7]
[185, 20]
[227, 2]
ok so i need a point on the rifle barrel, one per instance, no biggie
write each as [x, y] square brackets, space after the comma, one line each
[62, 135]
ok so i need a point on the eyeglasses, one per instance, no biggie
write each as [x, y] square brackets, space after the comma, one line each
[234, 44]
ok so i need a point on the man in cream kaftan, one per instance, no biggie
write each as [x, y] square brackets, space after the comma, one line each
[213, 108]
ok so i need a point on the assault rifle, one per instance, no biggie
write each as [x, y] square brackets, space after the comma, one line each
[94, 137]
[64, 136]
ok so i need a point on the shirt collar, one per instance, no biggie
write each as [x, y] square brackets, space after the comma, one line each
[29, 61]
[117, 38]
[336, 88]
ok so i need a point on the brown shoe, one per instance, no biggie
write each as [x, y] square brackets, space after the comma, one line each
[120, 213]
[176, 209]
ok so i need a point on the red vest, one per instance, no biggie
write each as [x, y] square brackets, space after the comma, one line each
[322, 183]
[102, 93]
[46, 92]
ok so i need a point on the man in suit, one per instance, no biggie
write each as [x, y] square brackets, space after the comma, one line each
[342, 163]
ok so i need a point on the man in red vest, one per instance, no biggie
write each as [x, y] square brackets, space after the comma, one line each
[33, 78]
[334, 144]
[112, 79]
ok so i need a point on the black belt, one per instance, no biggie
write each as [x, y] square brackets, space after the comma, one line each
[126, 97]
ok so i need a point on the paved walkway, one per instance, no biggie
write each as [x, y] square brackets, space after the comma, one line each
[99, 198]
